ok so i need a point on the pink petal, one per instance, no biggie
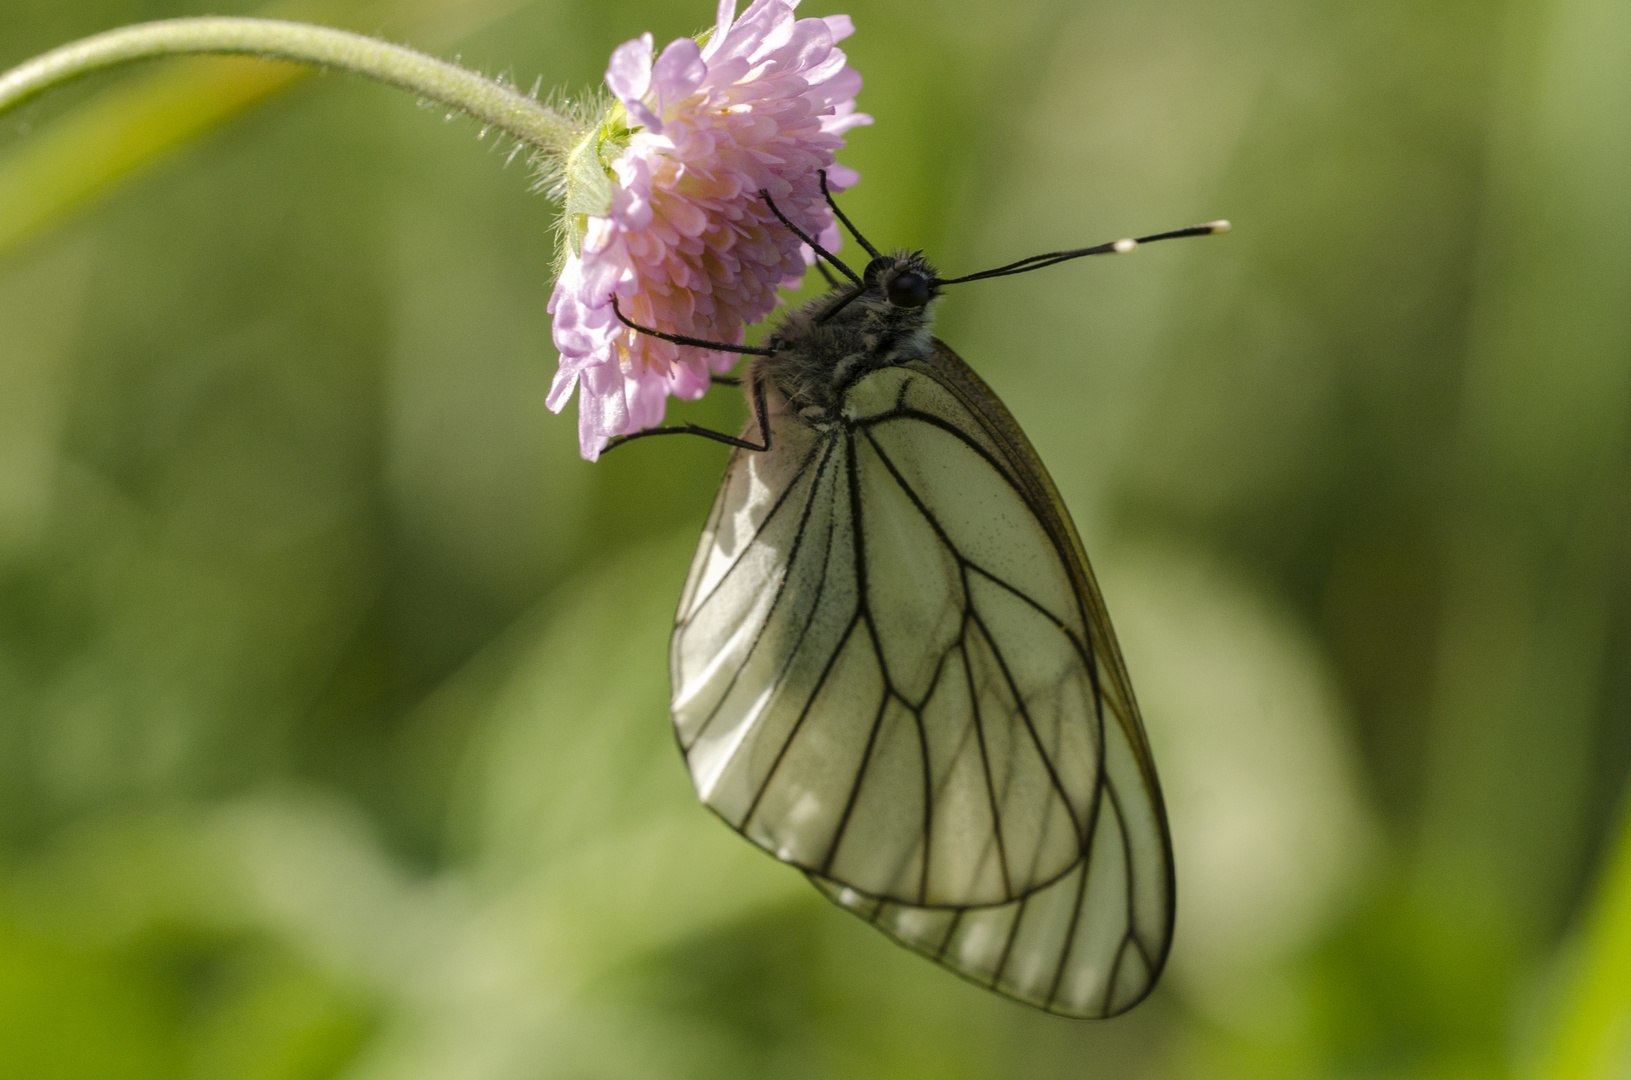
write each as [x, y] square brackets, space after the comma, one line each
[842, 177]
[841, 26]
[679, 71]
[600, 277]
[842, 119]
[601, 388]
[629, 74]
[631, 203]
[689, 379]
[841, 87]
[763, 28]
[560, 390]
[821, 69]
[646, 396]
[726, 14]
[808, 43]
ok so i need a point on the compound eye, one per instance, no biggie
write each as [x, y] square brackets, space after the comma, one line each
[876, 267]
[908, 290]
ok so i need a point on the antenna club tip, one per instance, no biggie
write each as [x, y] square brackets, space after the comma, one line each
[1219, 226]
[1122, 247]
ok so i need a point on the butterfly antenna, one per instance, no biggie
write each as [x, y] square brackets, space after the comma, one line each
[853, 231]
[807, 238]
[1114, 247]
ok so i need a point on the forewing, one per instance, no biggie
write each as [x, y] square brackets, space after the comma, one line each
[889, 669]
[759, 618]
[858, 697]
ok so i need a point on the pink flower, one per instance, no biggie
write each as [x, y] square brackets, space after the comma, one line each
[686, 245]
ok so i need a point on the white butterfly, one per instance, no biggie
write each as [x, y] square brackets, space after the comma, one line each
[892, 667]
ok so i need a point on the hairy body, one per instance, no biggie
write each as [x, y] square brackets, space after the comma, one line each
[821, 349]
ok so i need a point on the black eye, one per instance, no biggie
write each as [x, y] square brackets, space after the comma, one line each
[908, 290]
[876, 267]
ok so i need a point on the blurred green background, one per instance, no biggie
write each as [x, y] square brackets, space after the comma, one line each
[333, 737]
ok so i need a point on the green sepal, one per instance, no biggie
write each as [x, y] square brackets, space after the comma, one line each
[587, 172]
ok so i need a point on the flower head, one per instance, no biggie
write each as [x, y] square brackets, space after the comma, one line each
[683, 241]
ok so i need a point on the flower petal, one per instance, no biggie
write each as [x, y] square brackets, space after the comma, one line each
[726, 14]
[629, 74]
[560, 390]
[842, 177]
[678, 72]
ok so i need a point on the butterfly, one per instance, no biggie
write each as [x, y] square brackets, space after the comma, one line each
[892, 667]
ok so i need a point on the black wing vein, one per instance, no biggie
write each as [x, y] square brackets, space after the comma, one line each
[698, 603]
[781, 589]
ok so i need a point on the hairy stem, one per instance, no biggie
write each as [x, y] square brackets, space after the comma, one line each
[490, 102]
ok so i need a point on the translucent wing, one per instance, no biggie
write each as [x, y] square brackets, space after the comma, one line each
[891, 668]
[1083, 946]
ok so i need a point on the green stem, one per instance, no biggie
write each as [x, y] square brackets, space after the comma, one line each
[488, 101]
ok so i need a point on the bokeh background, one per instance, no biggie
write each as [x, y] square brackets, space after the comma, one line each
[333, 738]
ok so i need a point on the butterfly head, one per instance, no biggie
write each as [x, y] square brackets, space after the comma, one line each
[905, 280]
[888, 311]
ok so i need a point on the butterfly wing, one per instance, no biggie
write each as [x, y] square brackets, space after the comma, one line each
[1073, 947]
[892, 668]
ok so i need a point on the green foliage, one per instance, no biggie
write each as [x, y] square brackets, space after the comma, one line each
[333, 732]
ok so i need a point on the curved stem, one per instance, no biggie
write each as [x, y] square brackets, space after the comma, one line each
[488, 101]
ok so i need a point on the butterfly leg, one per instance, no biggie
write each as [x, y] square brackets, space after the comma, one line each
[681, 339]
[761, 412]
[760, 409]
